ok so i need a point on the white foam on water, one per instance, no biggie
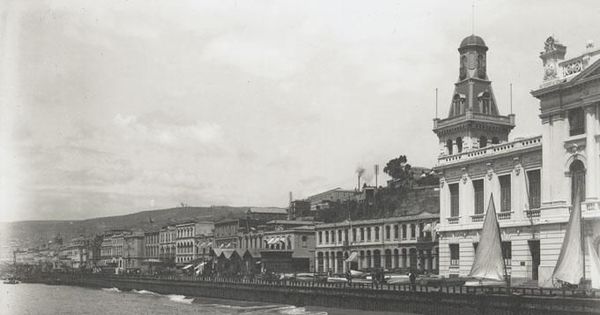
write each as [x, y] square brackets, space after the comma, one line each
[111, 289]
[180, 299]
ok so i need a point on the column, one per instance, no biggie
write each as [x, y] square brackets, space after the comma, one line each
[591, 178]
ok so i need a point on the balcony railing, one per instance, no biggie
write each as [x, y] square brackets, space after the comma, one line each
[453, 220]
[504, 215]
[477, 217]
[532, 213]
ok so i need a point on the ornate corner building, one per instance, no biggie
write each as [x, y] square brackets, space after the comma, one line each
[531, 179]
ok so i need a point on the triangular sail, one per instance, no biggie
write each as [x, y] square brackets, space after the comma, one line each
[489, 263]
[569, 267]
[595, 265]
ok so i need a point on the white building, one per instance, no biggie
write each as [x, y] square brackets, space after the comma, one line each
[477, 160]
[403, 243]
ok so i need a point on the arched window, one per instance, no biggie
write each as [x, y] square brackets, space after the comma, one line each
[404, 256]
[459, 144]
[484, 103]
[388, 258]
[449, 146]
[482, 141]
[577, 180]
[456, 105]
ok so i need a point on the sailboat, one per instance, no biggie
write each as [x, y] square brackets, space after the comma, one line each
[488, 267]
[570, 267]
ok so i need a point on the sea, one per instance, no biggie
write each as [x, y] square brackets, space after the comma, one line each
[30, 298]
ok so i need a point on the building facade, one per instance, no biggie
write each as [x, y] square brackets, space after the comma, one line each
[478, 163]
[398, 243]
[569, 99]
[167, 239]
[186, 246]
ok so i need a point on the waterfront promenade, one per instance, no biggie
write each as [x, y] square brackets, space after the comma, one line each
[382, 297]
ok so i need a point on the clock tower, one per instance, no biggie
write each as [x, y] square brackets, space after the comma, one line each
[473, 121]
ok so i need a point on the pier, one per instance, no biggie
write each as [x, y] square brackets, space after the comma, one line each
[382, 297]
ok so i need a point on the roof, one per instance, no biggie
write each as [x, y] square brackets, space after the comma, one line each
[422, 215]
[268, 210]
[472, 40]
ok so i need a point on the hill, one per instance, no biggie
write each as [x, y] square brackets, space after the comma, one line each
[31, 233]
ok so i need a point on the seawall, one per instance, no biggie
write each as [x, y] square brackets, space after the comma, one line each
[375, 298]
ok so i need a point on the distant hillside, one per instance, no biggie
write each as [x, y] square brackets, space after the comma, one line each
[32, 233]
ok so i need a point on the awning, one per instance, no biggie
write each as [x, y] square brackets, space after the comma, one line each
[200, 265]
[202, 245]
[353, 257]
[187, 267]
[272, 241]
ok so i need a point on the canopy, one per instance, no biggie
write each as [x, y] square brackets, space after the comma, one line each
[569, 267]
[187, 267]
[489, 263]
[353, 257]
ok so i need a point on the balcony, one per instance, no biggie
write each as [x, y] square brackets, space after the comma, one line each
[532, 213]
[477, 217]
[453, 220]
[504, 215]
[491, 150]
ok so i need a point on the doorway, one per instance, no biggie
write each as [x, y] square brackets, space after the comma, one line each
[534, 249]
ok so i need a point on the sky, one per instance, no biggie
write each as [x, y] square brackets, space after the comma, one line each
[113, 107]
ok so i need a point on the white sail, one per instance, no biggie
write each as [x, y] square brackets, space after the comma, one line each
[489, 263]
[569, 267]
[595, 265]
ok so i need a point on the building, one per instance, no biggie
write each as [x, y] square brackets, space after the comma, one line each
[228, 232]
[167, 244]
[321, 201]
[186, 246]
[397, 243]
[288, 250]
[265, 214]
[299, 209]
[133, 251]
[477, 161]
[152, 245]
[569, 110]
[74, 255]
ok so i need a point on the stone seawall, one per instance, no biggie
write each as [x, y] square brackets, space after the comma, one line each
[342, 296]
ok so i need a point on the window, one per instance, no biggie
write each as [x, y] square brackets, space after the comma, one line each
[304, 239]
[354, 235]
[475, 244]
[320, 237]
[377, 233]
[454, 254]
[482, 141]
[507, 253]
[396, 232]
[368, 234]
[459, 145]
[333, 237]
[534, 179]
[340, 236]
[504, 193]
[454, 202]
[346, 235]
[576, 122]
[362, 234]
[421, 228]
[403, 231]
[387, 232]
[326, 236]
[478, 193]
[413, 231]
[449, 146]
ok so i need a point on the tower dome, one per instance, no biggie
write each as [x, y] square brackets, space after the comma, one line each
[472, 40]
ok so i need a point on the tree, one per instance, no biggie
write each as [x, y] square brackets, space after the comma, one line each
[400, 172]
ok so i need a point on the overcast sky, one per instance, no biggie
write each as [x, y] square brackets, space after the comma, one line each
[112, 107]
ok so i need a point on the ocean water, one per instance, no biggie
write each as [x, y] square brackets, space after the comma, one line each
[26, 298]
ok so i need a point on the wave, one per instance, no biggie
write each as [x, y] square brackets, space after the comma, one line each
[268, 309]
[144, 292]
[180, 298]
[111, 289]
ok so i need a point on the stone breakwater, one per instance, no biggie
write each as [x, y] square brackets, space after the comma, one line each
[449, 300]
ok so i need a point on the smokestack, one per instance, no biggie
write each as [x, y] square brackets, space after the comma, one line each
[376, 173]
[359, 171]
